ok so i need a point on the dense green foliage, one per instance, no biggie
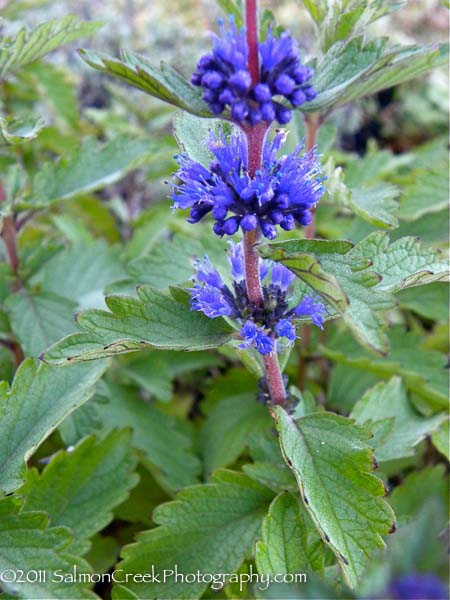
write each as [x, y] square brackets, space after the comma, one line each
[131, 437]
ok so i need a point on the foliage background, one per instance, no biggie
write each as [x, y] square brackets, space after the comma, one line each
[180, 414]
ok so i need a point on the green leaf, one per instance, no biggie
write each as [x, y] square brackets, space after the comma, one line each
[343, 19]
[397, 427]
[154, 320]
[441, 437]
[39, 399]
[89, 167]
[228, 427]
[164, 83]
[333, 465]
[39, 319]
[17, 130]
[28, 46]
[28, 544]
[364, 276]
[289, 542]
[423, 371]
[353, 69]
[346, 283]
[427, 193]
[86, 269]
[166, 448]
[79, 489]
[375, 204]
[209, 527]
[430, 301]
[191, 133]
[403, 263]
[57, 90]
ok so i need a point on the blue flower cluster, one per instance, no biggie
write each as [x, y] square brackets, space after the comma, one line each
[224, 76]
[418, 586]
[282, 192]
[261, 327]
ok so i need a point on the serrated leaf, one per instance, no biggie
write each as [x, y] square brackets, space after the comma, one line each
[86, 269]
[27, 543]
[18, 130]
[209, 527]
[39, 319]
[39, 399]
[79, 489]
[343, 19]
[228, 426]
[28, 46]
[166, 448]
[164, 83]
[154, 320]
[89, 167]
[423, 371]
[289, 543]
[403, 263]
[347, 284]
[353, 69]
[397, 427]
[441, 439]
[332, 461]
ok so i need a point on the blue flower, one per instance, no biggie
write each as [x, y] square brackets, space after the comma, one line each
[226, 81]
[283, 192]
[418, 586]
[254, 335]
[260, 326]
[309, 307]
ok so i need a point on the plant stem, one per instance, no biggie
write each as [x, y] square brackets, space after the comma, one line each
[255, 143]
[251, 25]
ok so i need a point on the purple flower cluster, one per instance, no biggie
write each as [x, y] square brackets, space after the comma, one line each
[224, 76]
[282, 192]
[418, 586]
[261, 327]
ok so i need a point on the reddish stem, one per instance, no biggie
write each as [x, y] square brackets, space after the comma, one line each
[255, 143]
[251, 25]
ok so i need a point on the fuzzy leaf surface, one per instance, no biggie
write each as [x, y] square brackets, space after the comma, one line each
[164, 83]
[28, 543]
[153, 320]
[39, 399]
[79, 489]
[396, 425]
[354, 69]
[28, 46]
[423, 371]
[89, 167]
[165, 447]
[288, 545]
[332, 462]
[208, 527]
[39, 319]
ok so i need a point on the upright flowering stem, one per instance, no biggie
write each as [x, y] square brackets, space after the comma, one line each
[255, 141]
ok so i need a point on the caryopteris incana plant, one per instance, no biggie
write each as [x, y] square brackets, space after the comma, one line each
[247, 351]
